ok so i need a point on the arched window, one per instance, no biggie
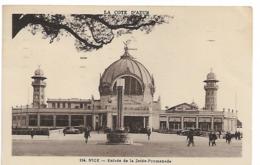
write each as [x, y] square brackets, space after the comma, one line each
[132, 86]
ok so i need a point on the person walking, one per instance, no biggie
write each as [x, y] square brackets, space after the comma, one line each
[32, 133]
[190, 138]
[86, 135]
[64, 131]
[210, 138]
[236, 135]
[228, 137]
[219, 134]
[239, 135]
[214, 138]
[148, 133]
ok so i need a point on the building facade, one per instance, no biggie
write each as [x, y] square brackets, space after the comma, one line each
[190, 116]
[140, 108]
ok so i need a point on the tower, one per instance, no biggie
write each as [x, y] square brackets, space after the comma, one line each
[38, 88]
[211, 88]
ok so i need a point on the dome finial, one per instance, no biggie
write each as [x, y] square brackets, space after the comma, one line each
[126, 46]
[211, 69]
[126, 53]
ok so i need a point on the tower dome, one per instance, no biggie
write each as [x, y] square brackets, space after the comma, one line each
[137, 77]
[38, 74]
[211, 76]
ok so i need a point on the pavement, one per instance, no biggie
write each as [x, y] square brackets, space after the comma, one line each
[160, 145]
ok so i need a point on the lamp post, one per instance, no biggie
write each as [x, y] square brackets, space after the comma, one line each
[120, 135]
[120, 109]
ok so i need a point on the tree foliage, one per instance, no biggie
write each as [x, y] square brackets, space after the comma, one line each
[91, 31]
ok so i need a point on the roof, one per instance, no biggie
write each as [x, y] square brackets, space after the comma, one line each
[68, 100]
[126, 65]
[38, 73]
[183, 107]
[211, 76]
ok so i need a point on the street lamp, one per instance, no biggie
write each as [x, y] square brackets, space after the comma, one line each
[120, 135]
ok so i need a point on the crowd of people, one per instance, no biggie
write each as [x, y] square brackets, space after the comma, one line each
[212, 135]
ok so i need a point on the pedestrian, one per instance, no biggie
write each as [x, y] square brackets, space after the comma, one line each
[64, 131]
[148, 133]
[214, 138]
[228, 137]
[190, 138]
[219, 134]
[86, 135]
[239, 135]
[32, 133]
[89, 130]
[210, 138]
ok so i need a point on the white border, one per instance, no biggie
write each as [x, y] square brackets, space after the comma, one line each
[256, 54]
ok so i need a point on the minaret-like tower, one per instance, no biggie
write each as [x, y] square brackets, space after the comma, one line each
[211, 88]
[38, 88]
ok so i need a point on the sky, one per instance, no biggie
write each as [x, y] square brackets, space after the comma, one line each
[178, 54]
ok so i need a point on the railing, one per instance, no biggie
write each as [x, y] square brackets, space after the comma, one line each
[207, 86]
[33, 110]
[39, 83]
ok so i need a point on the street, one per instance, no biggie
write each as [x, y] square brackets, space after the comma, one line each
[160, 145]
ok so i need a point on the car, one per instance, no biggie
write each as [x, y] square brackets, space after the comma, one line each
[80, 128]
[71, 130]
[107, 130]
[178, 132]
[196, 132]
[184, 132]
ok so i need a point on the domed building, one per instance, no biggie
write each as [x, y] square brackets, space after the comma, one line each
[140, 110]
[139, 88]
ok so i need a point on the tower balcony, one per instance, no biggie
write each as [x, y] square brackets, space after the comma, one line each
[208, 86]
[39, 83]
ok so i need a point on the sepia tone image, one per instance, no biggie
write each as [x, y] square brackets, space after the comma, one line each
[99, 84]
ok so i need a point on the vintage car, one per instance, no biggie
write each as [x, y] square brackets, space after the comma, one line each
[71, 130]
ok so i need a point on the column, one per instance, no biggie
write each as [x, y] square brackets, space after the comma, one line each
[120, 107]
[150, 122]
[144, 122]
[222, 124]
[182, 122]
[231, 124]
[109, 120]
[85, 120]
[212, 123]
[27, 121]
[38, 120]
[101, 120]
[69, 120]
[94, 121]
[54, 121]
[167, 123]
[197, 122]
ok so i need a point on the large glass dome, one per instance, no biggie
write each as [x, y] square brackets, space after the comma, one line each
[137, 77]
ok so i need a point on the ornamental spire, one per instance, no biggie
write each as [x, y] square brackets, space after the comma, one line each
[126, 48]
